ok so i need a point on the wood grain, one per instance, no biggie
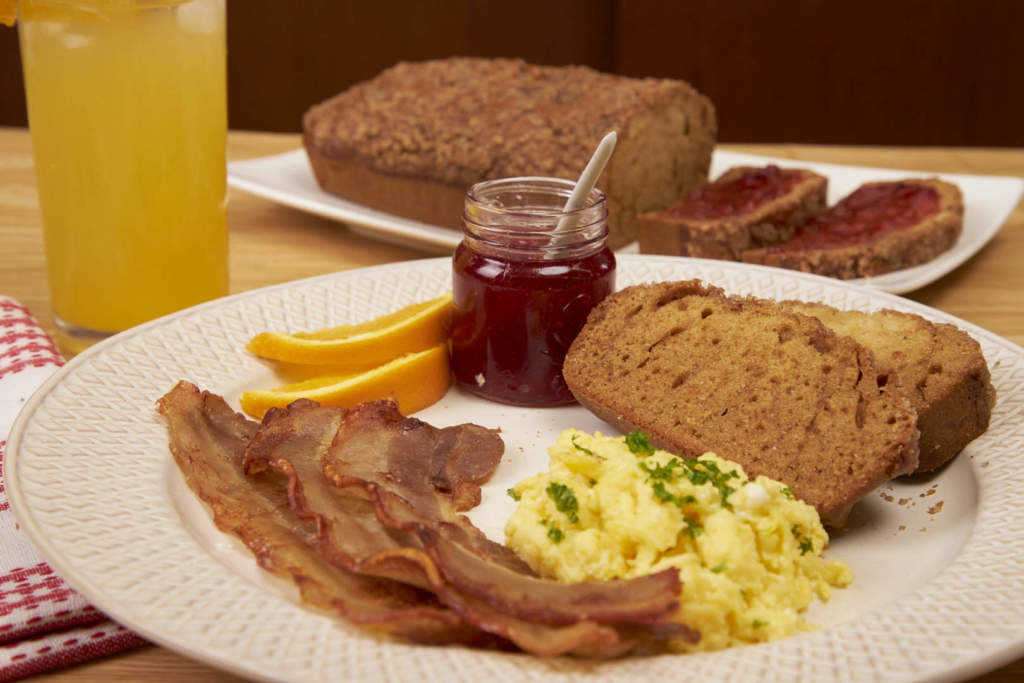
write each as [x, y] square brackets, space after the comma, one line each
[914, 72]
[272, 244]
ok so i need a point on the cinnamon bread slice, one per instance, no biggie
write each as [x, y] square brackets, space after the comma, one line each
[773, 390]
[746, 207]
[940, 365]
[879, 228]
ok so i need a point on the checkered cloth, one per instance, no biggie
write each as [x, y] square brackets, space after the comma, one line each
[44, 624]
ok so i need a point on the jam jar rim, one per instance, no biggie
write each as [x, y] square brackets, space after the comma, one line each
[596, 200]
[523, 231]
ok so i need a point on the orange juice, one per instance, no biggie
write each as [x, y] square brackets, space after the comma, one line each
[128, 114]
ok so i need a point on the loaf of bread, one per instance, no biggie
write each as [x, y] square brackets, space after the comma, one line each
[744, 208]
[879, 228]
[941, 366]
[771, 389]
[413, 139]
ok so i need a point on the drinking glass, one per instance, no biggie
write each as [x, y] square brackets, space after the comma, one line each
[128, 117]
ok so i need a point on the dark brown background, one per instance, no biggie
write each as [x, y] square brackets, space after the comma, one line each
[901, 72]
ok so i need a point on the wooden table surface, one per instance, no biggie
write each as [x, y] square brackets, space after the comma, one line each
[272, 243]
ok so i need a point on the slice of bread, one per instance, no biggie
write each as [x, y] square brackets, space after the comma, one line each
[747, 207]
[867, 233]
[940, 365]
[773, 390]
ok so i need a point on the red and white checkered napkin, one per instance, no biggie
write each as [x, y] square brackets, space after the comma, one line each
[44, 624]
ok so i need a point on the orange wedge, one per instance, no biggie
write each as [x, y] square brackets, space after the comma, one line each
[415, 381]
[363, 346]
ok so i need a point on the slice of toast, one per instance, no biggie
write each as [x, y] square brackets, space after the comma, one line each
[940, 365]
[773, 390]
[875, 230]
[745, 208]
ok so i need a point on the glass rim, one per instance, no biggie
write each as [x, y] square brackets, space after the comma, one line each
[477, 194]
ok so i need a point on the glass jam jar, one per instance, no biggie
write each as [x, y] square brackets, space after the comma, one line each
[522, 292]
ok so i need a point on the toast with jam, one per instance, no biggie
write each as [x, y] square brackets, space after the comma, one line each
[879, 228]
[745, 208]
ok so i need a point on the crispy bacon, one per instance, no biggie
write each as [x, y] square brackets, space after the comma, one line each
[208, 440]
[385, 454]
[364, 506]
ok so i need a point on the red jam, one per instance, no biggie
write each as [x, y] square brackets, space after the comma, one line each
[520, 296]
[868, 213]
[514, 322]
[738, 196]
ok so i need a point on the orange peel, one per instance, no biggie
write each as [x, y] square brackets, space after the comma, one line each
[365, 345]
[414, 380]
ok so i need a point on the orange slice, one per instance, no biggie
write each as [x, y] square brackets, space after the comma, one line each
[415, 381]
[363, 346]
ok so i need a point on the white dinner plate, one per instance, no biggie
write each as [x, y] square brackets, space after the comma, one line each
[939, 579]
[988, 201]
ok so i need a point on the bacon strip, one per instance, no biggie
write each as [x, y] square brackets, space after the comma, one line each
[208, 440]
[362, 510]
[376, 452]
[395, 473]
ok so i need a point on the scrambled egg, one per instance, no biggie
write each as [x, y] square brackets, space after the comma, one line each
[749, 554]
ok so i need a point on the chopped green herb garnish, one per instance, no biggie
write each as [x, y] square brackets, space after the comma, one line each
[555, 534]
[565, 500]
[806, 545]
[719, 568]
[639, 443]
[704, 471]
[581, 448]
[666, 496]
[693, 528]
[787, 492]
[666, 471]
[513, 494]
[760, 624]
[697, 472]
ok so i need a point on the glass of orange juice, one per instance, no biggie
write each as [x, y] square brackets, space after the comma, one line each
[128, 117]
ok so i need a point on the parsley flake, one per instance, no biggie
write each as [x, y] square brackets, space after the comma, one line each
[693, 528]
[704, 471]
[787, 492]
[666, 496]
[639, 443]
[666, 471]
[513, 494]
[806, 545]
[719, 568]
[555, 534]
[760, 624]
[565, 500]
[581, 448]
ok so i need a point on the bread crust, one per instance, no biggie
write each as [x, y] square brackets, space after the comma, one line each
[896, 250]
[413, 139]
[661, 232]
[423, 200]
[948, 381]
[773, 390]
